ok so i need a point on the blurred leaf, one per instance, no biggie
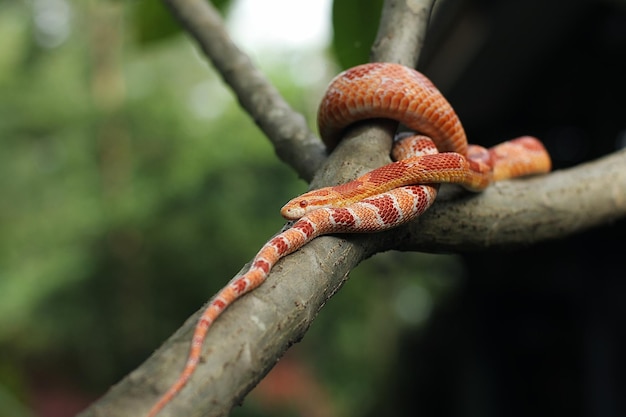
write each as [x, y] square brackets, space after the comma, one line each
[354, 24]
[222, 5]
[154, 22]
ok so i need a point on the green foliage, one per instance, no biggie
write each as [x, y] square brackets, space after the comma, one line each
[355, 24]
[132, 187]
[117, 174]
[153, 22]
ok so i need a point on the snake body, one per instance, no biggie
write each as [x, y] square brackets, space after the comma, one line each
[383, 198]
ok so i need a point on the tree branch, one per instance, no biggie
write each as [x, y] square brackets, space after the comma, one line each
[402, 31]
[250, 336]
[521, 212]
[287, 129]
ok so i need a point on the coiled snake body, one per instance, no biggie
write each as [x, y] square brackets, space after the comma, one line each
[386, 197]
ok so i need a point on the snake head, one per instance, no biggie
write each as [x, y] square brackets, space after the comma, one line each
[308, 202]
[294, 209]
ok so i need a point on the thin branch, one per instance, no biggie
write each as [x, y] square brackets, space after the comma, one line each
[287, 129]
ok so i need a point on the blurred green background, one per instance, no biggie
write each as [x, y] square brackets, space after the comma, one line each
[132, 187]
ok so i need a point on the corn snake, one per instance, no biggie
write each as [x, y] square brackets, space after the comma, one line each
[383, 198]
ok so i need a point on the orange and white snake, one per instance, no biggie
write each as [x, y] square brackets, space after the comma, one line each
[386, 197]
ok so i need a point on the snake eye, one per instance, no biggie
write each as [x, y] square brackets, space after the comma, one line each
[304, 203]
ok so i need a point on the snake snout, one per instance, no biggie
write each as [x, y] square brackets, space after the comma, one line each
[291, 211]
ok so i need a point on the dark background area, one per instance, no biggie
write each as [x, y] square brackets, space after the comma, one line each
[539, 331]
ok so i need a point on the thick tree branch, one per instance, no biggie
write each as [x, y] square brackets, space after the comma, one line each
[521, 212]
[249, 337]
